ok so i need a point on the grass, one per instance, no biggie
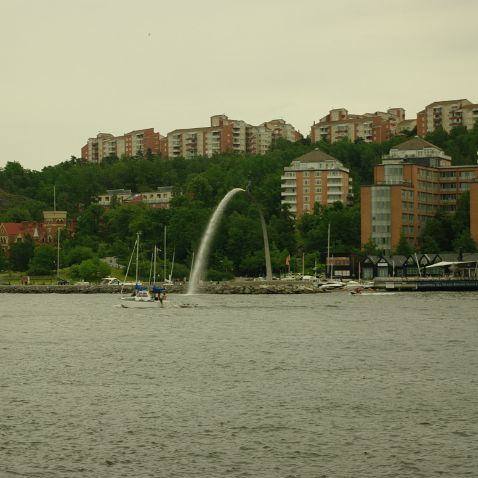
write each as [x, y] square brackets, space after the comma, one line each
[14, 278]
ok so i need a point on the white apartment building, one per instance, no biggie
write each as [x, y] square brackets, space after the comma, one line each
[160, 198]
[339, 124]
[447, 114]
[226, 135]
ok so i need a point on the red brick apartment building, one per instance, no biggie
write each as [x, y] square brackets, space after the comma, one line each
[375, 127]
[413, 181]
[130, 144]
[315, 177]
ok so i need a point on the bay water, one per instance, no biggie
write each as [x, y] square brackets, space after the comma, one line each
[321, 385]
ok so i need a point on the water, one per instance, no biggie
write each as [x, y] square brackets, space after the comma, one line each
[325, 385]
[199, 266]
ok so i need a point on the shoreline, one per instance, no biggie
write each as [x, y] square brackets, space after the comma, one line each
[234, 287]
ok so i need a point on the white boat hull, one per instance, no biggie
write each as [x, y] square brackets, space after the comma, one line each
[139, 303]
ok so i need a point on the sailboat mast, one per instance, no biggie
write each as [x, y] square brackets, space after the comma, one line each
[172, 266]
[58, 253]
[154, 264]
[328, 251]
[164, 265]
[137, 255]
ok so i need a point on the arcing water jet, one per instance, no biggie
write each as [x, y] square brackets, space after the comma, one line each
[200, 264]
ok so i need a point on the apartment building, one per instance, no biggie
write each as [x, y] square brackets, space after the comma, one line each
[226, 135]
[413, 181]
[375, 127]
[315, 177]
[130, 144]
[160, 198]
[447, 114]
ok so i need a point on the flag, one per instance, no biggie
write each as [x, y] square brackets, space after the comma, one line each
[287, 260]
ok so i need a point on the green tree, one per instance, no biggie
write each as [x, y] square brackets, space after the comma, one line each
[200, 189]
[89, 222]
[3, 260]
[441, 229]
[370, 248]
[20, 254]
[43, 261]
[403, 248]
[464, 242]
[16, 214]
[428, 245]
[282, 230]
[93, 270]
[78, 254]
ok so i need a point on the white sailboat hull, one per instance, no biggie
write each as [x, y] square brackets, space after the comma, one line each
[139, 303]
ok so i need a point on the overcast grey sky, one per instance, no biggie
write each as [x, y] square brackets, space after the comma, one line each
[73, 68]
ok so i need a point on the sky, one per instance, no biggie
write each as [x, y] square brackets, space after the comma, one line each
[73, 68]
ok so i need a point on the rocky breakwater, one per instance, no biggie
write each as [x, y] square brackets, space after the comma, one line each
[75, 289]
[259, 287]
[232, 287]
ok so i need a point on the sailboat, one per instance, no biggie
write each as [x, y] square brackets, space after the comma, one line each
[141, 297]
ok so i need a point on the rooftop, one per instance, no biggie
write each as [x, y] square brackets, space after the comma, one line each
[414, 144]
[315, 156]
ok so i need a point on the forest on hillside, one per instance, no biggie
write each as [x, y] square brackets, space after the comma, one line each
[199, 186]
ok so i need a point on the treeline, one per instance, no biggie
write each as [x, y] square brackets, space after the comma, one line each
[199, 185]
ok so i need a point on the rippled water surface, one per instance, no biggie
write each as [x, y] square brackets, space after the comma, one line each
[324, 385]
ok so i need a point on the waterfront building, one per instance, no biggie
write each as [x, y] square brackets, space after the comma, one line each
[315, 177]
[446, 114]
[226, 135]
[419, 265]
[412, 182]
[136, 142]
[375, 127]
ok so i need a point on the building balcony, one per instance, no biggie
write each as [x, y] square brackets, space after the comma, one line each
[448, 179]
[397, 182]
[289, 193]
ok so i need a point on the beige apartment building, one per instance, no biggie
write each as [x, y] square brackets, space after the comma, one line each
[160, 198]
[226, 135]
[375, 127]
[130, 144]
[315, 177]
[413, 181]
[447, 114]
